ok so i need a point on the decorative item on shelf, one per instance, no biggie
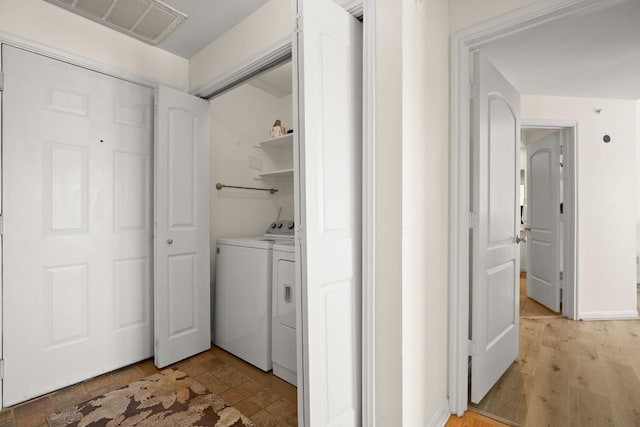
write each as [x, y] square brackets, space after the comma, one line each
[278, 129]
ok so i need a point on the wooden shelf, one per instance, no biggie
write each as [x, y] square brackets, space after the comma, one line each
[276, 174]
[280, 141]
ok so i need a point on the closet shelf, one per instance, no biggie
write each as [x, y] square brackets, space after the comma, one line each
[276, 174]
[280, 141]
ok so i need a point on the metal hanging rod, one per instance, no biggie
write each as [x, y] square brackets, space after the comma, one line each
[270, 190]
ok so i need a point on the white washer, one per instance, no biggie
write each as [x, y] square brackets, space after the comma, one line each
[242, 294]
[242, 299]
[284, 312]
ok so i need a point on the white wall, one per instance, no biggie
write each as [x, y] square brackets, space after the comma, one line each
[606, 199]
[388, 214]
[239, 119]
[465, 13]
[262, 29]
[411, 212]
[425, 155]
[55, 27]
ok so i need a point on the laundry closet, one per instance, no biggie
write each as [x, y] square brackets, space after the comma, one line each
[118, 192]
[252, 222]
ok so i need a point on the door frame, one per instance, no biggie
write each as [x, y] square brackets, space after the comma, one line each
[462, 43]
[569, 133]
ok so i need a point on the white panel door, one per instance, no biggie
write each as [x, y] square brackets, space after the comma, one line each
[329, 83]
[77, 160]
[182, 285]
[496, 270]
[543, 220]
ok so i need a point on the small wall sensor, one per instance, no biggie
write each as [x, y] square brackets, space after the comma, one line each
[606, 139]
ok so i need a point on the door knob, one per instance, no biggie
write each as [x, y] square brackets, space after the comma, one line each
[170, 241]
[522, 239]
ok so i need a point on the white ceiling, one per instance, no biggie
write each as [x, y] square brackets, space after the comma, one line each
[208, 20]
[591, 54]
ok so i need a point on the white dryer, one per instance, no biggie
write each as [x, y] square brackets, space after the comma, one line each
[283, 349]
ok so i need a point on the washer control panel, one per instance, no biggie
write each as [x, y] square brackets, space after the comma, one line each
[281, 228]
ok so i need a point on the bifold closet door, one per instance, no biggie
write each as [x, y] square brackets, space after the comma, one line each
[328, 73]
[77, 198]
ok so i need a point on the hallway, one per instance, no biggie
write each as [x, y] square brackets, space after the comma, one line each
[574, 373]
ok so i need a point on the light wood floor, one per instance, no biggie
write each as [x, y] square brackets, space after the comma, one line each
[473, 419]
[530, 308]
[571, 373]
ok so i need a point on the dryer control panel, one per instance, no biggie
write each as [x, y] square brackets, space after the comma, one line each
[284, 228]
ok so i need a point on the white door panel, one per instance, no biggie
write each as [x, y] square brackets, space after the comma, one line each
[543, 220]
[329, 83]
[182, 286]
[77, 209]
[495, 295]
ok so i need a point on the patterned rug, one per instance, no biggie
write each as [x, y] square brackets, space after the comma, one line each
[166, 399]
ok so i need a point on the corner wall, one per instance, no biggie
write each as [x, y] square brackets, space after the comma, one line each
[412, 150]
[606, 199]
[638, 192]
[425, 176]
[55, 27]
[388, 214]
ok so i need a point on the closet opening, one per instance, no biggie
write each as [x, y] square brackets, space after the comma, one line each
[254, 292]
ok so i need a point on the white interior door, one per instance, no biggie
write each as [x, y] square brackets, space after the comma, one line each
[77, 161]
[543, 221]
[182, 285]
[496, 191]
[328, 77]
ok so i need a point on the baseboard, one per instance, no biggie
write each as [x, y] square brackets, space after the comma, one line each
[607, 315]
[441, 416]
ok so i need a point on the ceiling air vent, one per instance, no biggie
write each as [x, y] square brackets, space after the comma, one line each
[148, 20]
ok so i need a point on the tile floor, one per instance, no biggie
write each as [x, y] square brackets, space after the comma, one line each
[266, 399]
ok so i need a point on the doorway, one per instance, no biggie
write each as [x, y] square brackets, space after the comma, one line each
[497, 230]
[463, 44]
[547, 257]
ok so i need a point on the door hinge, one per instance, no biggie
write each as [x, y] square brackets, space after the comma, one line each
[473, 220]
[1, 369]
[299, 234]
[1, 225]
[474, 91]
[561, 276]
[297, 24]
[156, 344]
[1, 80]
[470, 348]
